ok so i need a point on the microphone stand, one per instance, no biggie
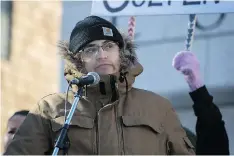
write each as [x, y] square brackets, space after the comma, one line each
[62, 142]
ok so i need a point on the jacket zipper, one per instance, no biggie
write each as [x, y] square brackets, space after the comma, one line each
[119, 132]
[96, 125]
[97, 135]
[117, 128]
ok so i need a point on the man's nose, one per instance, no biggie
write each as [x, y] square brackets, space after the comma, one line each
[101, 54]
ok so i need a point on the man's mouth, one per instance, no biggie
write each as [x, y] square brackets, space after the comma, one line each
[102, 65]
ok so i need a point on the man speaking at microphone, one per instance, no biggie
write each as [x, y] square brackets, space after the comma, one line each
[112, 117]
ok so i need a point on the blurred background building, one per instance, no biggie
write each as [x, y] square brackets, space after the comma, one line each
[29, 60]
[31, 68]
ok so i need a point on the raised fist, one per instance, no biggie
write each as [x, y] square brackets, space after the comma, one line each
[187, 63]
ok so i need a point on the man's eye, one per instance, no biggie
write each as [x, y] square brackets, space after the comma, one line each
[91, 50]
[11, 132]
[109, 45]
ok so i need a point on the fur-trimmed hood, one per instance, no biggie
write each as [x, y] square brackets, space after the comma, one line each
[75, 69]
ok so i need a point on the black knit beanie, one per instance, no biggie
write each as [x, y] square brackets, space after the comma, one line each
[90, 29]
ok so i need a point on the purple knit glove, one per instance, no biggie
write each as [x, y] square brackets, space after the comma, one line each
[187, 63]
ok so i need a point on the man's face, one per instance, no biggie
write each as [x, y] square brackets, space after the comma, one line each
[101, 56]
[12, 126]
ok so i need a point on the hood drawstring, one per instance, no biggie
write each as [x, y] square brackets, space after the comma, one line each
[114, 92]
[86, 91]
[123, 78]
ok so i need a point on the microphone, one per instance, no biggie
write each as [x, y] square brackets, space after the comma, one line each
[92, 78]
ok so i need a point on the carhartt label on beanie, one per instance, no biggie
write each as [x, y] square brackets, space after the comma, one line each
[90, 29]
[107, 31]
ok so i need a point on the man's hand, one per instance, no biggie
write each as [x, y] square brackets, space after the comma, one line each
[188, 65]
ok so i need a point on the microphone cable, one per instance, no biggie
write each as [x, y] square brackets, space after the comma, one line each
[66, 99]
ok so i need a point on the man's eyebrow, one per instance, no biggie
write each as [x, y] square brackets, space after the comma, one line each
[12, 129]
[90, 45]
[107, 41]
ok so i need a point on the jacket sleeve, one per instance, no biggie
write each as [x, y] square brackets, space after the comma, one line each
[32, 138]
[211, 133]
[178, 143]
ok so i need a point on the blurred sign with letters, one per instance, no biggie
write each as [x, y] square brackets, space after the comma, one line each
[159, 7]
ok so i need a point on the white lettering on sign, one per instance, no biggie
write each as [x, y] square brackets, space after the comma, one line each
[159, 7]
